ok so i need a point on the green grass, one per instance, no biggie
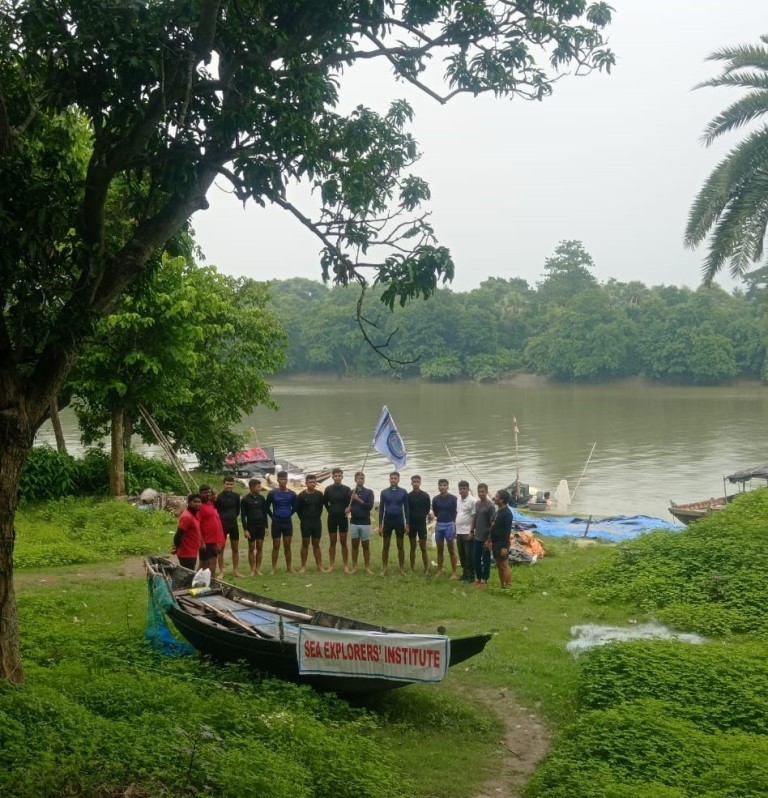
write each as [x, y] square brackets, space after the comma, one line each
[651, 719]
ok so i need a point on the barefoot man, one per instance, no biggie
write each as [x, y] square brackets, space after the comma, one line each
[336, 498]
[309, 508]
[280, 506]
[444, 506]
[360, 507]
[253, 515]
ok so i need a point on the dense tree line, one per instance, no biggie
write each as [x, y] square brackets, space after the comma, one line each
[568, 327]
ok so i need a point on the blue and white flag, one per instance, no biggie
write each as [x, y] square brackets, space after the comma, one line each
[387, 440]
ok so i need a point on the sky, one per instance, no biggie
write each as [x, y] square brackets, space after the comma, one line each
[613, 161]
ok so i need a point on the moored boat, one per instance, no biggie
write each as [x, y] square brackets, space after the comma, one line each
[694, 511]
[300, 644]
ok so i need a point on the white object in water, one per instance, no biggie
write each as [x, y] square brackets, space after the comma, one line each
[562, 494]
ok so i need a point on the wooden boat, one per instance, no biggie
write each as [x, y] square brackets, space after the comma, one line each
[693, 511]
[296, 643]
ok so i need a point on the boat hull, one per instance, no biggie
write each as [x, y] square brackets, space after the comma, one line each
[279, 657]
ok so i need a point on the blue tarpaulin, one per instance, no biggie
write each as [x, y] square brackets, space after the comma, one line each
[615, 528]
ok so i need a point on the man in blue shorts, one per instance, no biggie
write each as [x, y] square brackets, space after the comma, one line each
[280, 507]
[393, 517]
[360, 507]
[445, 506]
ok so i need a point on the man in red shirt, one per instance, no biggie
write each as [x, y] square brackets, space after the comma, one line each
[187, 541]
[211, 531]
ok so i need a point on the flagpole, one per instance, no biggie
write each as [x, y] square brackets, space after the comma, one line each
[365, 459]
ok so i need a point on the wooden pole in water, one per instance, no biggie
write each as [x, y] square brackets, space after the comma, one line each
[517, 459]
[584, 470]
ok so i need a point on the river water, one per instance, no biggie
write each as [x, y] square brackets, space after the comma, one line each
[653, 443]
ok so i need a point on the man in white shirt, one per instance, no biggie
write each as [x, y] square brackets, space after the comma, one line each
[465, 509]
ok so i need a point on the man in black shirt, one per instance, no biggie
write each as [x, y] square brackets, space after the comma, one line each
[253, 515]
[419, 505]
[309, 508]
[336, 499]
[501, 531]
[228, 507]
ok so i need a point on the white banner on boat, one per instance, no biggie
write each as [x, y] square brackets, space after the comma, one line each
[371, 655]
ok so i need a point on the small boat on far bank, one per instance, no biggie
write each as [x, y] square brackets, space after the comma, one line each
[694, 511]
[260, 461]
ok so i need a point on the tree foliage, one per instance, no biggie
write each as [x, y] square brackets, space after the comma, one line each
[116, 117]
[583, 331]
[732, 206]
[190, 345]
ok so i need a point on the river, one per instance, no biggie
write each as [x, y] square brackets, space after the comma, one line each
[653, 443]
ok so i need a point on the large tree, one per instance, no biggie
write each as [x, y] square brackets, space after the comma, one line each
[188, 344]
[173, 95]
[732, 207]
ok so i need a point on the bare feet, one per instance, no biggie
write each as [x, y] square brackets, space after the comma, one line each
[346, 569]
[401, 571]
[384, 572]
[290, 571]
[255, 573]
[454, 576]
[303, 569]
[272, 571]
[237, 575]
[369, 571]
[352, 572]
[439, 572]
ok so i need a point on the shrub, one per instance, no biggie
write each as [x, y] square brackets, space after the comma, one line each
[709, 577]
[48, 475]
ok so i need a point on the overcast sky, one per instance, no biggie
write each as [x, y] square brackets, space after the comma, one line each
[613, 161]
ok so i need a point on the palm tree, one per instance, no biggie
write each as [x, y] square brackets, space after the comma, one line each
[732, 206]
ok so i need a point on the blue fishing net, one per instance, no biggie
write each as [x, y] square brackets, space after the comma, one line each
[158, 632]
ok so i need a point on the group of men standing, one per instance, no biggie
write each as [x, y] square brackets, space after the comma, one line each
[471, 529]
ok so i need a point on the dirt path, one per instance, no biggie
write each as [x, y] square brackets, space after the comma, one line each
[525, 741]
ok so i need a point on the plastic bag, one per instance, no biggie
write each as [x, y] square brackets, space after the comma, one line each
[202, 578]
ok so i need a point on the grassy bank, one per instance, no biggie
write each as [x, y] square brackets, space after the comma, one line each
[100, 712]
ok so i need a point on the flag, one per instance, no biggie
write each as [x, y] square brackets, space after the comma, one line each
[387, 440]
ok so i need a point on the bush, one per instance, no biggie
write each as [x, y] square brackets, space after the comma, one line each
[637, 749]
[708, 578]
[49, 475]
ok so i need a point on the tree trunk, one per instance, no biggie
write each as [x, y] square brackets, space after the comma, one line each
[61, 444]
[17, 431]
[117, 461]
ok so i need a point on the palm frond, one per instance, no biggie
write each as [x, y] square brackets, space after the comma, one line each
[737, 80]
[742, 56]
[739, 236]
[729, 178]
[740, 113]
